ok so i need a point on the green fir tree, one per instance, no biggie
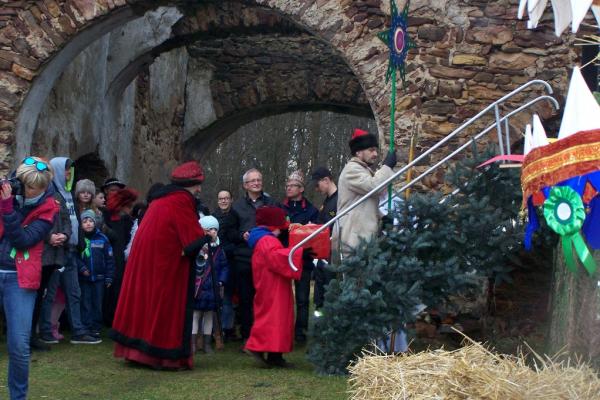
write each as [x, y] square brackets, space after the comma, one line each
[440, 246]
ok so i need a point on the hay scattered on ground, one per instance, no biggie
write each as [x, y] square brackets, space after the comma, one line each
[471, 372]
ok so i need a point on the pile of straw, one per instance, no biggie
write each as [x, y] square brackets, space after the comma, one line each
[472, 372]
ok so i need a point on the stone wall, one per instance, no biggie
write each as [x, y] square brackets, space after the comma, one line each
[470, 52]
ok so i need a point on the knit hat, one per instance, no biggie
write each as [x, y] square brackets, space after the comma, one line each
[362, 140]
[121, 198]
[188, 174]
[271, 217]
[296, 176]
[209, 222]
[112, 181]
[85, 186]
[89, 213]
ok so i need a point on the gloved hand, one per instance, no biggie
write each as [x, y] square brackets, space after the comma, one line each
[192, 249]
[390, 159]
[308, 254]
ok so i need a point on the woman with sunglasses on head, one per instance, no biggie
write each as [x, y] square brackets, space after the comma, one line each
[27, 210]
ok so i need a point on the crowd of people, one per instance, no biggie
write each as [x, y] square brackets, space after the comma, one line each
[168, 276]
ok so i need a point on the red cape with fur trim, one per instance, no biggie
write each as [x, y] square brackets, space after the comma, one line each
[153, 321]
[273, 329]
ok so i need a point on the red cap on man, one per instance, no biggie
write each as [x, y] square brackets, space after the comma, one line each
[362, 140]
[272, 218]
[188, 174]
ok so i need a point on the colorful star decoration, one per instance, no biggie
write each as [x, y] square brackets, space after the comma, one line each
[398, 41]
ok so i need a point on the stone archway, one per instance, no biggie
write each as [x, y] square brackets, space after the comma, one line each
[469, 53]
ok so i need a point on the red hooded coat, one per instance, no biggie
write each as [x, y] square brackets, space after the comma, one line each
[273, 329]
[153, 321]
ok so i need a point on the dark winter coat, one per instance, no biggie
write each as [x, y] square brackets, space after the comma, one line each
[246, 211]
[15, 236]
[229, 230]
[204, 294]
[329, 209]
[56, 255]
[301, 211]
[97, 259]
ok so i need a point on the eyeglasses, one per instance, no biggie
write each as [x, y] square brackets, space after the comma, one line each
[254, 181]
[293, 185]
[224, 198]
[39, 165]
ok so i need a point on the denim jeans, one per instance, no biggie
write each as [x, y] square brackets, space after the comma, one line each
[18, 308]
[92, 294]
[69, 281]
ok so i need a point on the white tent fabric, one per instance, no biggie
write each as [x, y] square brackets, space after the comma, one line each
[539, 137]
[565, 13]
[582, 111]
[528, 140]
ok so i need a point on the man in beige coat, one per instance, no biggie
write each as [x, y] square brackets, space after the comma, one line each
[356, 180]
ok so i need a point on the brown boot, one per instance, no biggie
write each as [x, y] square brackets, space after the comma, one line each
[199, 341]
[219, 345]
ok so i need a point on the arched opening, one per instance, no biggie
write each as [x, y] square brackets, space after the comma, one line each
[170, 85]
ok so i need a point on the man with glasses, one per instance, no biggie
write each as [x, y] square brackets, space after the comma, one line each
[229, 235]
[300, 211]
[245, 208]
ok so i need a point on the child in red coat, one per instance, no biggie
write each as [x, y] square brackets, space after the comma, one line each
[273, 329]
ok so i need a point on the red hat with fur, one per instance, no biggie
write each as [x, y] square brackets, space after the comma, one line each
[272, 218]
[188, 174]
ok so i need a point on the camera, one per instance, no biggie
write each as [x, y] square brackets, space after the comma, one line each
[16, 186]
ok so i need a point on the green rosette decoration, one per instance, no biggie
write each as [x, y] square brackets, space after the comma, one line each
[564, 213]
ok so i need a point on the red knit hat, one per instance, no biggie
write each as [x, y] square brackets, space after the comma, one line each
[362, 140]
[188, 174]
[272, 218]
[121, 198]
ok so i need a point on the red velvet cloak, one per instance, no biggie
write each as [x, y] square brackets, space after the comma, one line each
[153, 320]
[273, 329]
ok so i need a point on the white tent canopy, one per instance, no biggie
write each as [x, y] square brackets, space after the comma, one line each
[565, 12]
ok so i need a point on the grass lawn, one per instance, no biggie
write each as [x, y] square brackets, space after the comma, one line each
[90, 372]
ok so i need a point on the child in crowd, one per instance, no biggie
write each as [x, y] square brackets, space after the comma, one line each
[273, 329]
[211, 275]
[95, 273]
[85, 197]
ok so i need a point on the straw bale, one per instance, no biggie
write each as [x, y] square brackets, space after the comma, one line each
[471, 372]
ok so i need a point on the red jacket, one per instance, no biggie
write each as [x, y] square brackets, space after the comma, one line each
[273, 329]
[29, 262]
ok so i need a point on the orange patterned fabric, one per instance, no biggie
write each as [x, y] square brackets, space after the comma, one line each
[545, 166]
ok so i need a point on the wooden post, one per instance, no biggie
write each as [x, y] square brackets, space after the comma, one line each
[574, 312]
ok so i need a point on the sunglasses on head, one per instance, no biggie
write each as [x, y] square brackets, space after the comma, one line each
[39, 165]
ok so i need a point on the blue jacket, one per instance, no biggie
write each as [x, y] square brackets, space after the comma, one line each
[18, 237]
[204, 296]
[97, 258]
[301, 212]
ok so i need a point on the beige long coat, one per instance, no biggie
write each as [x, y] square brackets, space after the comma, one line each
[356, 180]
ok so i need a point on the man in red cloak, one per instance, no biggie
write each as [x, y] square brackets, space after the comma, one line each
[153, 320]
[273, 329]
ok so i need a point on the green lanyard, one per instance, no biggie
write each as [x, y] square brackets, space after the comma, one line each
[87, 252]
[13, 254]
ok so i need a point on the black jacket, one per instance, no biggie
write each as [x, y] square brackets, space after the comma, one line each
[246, 211]
[329, 209]
[229, 230]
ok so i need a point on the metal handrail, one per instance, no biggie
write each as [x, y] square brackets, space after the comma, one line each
[402, 170]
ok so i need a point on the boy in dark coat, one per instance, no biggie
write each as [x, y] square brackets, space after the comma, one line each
[96, 272]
